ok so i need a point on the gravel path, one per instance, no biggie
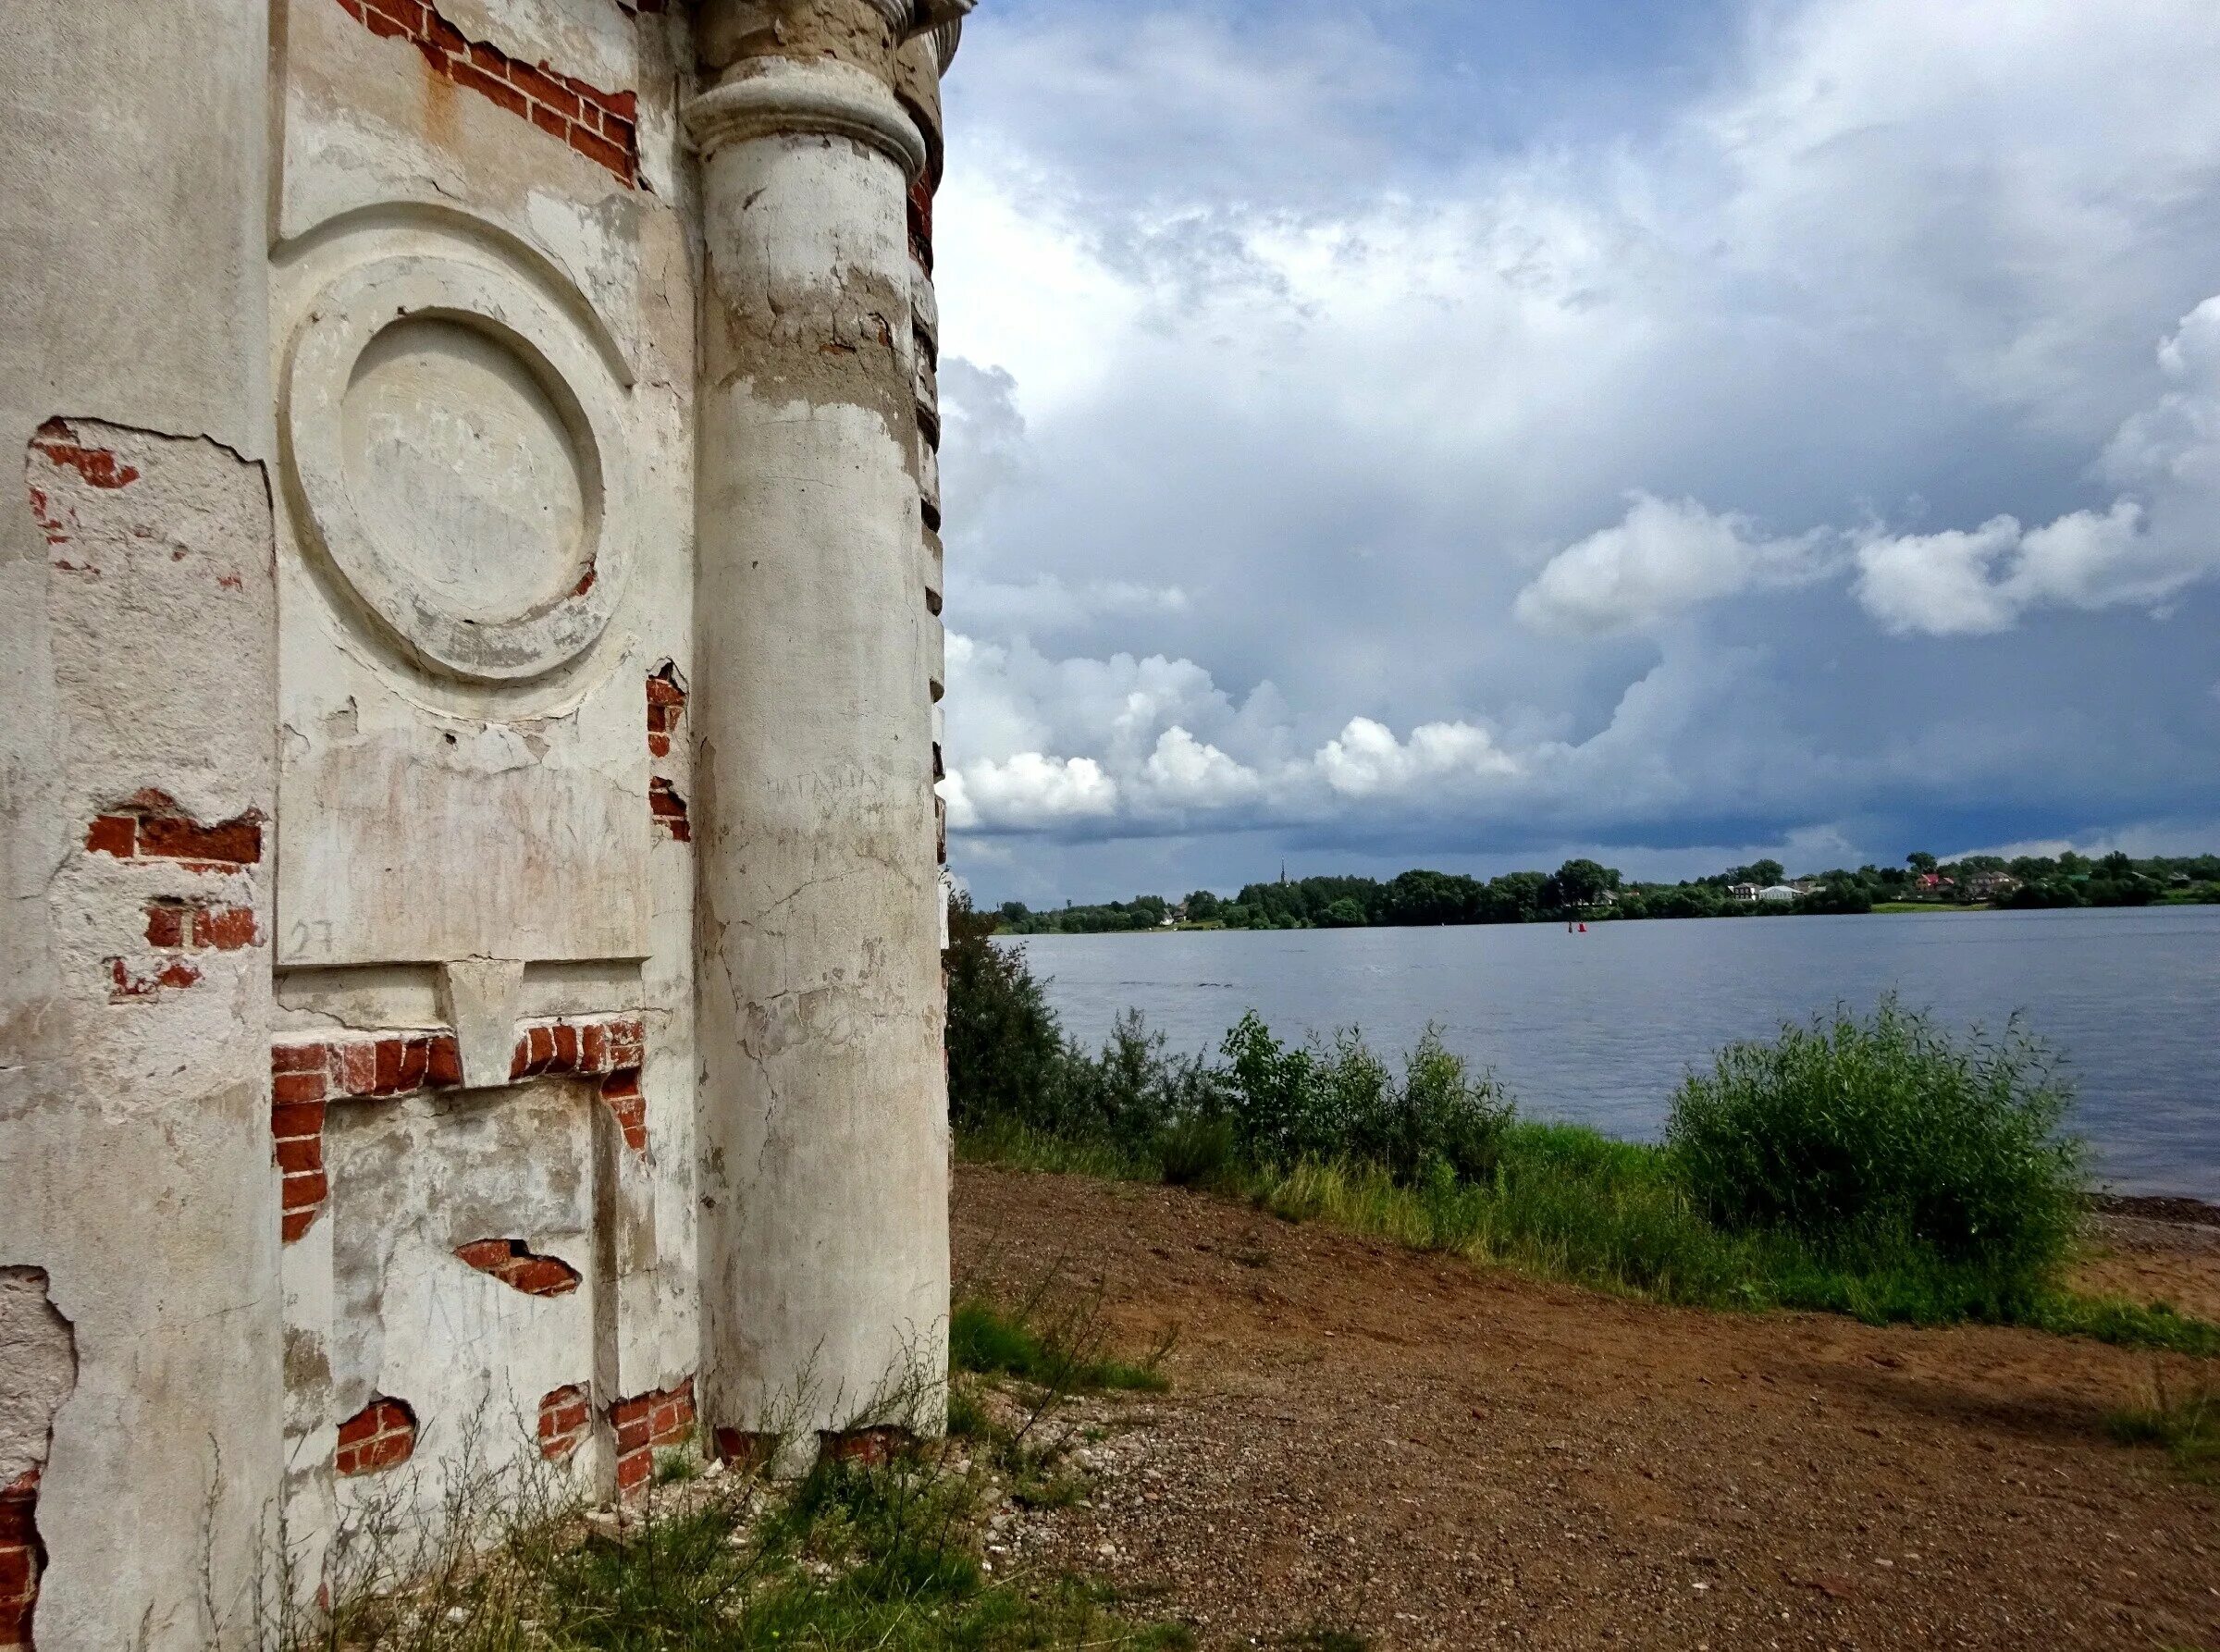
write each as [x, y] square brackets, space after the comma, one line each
[1364, 1439]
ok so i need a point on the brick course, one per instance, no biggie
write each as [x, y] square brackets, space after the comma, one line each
[602, 125]
[151, 826]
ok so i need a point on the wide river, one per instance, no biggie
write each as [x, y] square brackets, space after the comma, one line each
[1598, 1028]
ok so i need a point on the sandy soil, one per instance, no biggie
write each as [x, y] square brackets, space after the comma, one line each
[1361, 1438]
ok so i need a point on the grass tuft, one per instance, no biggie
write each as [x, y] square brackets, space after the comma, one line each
[2186, 1425]
[1059, 1352]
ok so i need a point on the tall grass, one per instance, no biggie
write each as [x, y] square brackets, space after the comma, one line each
[1869, 1165]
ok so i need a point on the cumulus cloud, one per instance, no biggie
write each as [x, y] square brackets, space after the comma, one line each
[2141, 551]
[1664, 557]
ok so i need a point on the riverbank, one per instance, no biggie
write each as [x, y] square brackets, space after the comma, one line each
[1365, 1442]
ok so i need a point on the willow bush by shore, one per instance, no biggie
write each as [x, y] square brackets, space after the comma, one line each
[1870, 1164]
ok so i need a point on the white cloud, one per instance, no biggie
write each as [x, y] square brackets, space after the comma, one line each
[1029, 791]
[1366, 759]
[1664, 557]
[2140, 551]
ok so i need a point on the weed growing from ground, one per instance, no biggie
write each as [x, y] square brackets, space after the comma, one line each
[2185, 1421]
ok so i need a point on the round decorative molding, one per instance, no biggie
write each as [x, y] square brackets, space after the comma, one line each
[774, 96]
[457, 450]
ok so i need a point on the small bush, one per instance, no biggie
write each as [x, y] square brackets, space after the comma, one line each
[1341, 1102]
[1866, 1136]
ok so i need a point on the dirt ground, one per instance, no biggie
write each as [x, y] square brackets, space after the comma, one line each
[1362, 1439]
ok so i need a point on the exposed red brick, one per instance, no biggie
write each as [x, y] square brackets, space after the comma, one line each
[596, 148]
[921, 222]
[746, 1448]
[22, 1559]
[667, 810]
[298, 1058]
[167, 922]
[443, 1069]
[99, 468]
[297, 1118]
[871, 1447]
[224, 928]
[520, 1268]
[113, 834]
[598, 124]
[358, 1067]
[299, 1074]
[381, 1435]
[296, 1087]
[666, 705]
[151, 824]
[648, 1423]
[175, 973]
[621, 1090]
[415, 1063]
[306, 1190]
[388, 1067]
[564, 1418]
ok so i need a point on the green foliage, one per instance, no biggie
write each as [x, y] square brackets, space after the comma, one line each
[1869, 1167]
[1878, 1134]
[1321, 1101]
[1006, 1051]
[864, 1555]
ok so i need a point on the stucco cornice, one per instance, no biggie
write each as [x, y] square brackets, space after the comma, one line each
[769, 96]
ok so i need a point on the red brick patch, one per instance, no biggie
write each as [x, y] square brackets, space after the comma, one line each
[564, 1418]
[151, 826]
[648, 1424]
[520, 1268]
[22, 1559]
[602, 126]
[381, 1435]
[667, 810]
[666, 705]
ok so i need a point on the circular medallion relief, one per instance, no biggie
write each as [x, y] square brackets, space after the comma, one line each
[450, 437]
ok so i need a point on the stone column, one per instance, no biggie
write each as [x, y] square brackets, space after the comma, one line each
[823, 1121]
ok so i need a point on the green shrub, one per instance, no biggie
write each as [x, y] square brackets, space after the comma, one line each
[1866, 1136]
[1006, 1051]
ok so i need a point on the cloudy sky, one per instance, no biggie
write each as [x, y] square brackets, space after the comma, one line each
[1437, 432]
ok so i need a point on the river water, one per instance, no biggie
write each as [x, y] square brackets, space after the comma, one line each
[1598, 1028]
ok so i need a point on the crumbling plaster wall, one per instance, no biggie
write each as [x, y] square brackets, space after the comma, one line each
[474, 841]
[359, 773]
[137, 639]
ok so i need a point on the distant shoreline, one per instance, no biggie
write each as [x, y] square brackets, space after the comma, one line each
[1889, 909]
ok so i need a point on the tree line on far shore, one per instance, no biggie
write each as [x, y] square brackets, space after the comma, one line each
[1590, 892]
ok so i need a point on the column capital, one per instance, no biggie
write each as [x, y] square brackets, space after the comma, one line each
[766, 96]
[910, 18]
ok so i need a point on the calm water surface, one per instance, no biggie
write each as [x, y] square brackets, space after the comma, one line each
[1598, 1028]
